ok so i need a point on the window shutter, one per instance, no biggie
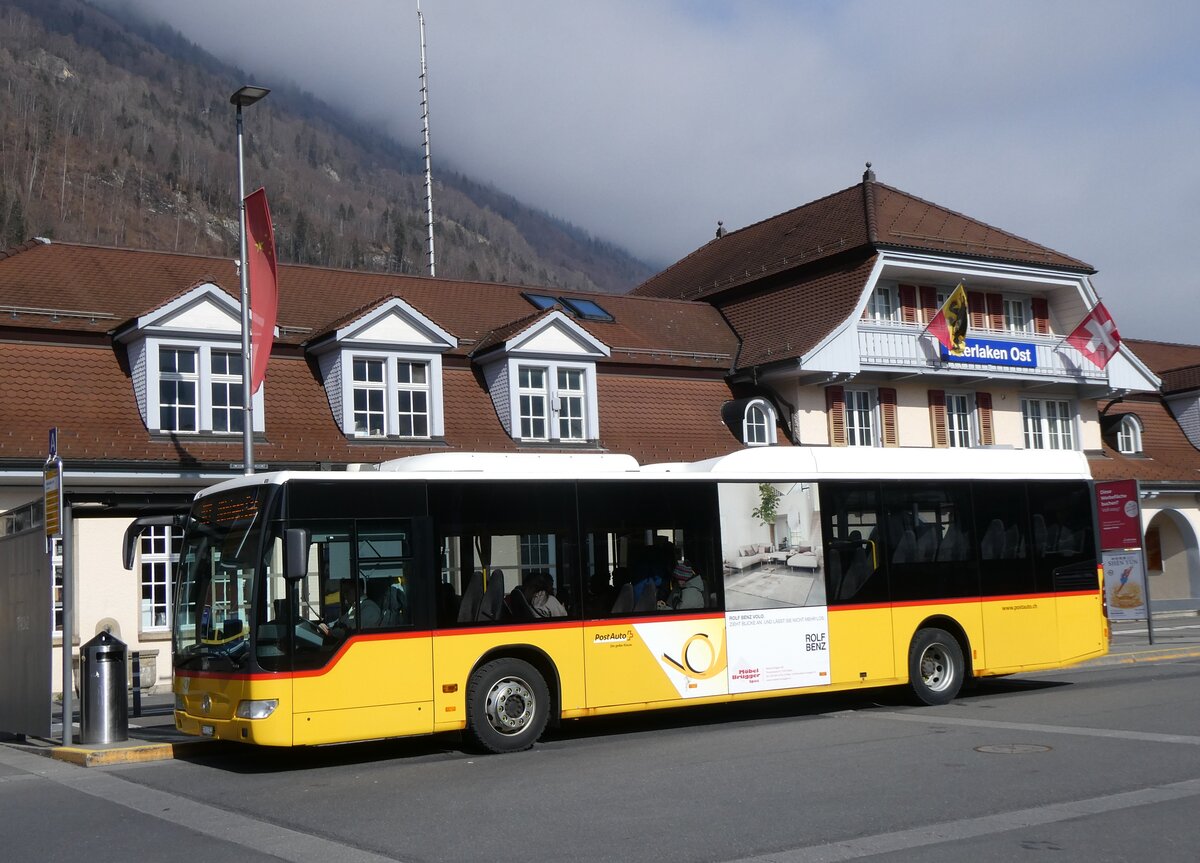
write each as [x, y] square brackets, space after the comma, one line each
[1041, 315]
[977, 303]
[835, 408]
[983, 407]
[929, 306]
[887, 412]
[937, 417]
[995, 310]
[908, 304]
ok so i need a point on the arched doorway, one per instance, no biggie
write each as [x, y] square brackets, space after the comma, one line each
[1172, 557]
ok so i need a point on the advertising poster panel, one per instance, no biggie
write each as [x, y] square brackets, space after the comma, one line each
[1125, 585]
[1120, 514]
[777, 648]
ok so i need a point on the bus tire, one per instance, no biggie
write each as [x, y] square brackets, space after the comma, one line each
[935, 666]
[508, 705]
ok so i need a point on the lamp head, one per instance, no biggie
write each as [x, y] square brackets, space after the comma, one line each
[248, 95]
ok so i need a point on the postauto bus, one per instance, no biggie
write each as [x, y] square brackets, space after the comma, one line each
[494, 593]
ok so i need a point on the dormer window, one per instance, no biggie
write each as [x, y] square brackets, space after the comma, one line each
[542, 379]
[186, 364]
[383, 373]
[1129, 435]
[758, 424]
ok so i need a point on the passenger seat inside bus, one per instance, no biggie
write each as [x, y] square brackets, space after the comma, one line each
[624, 601]
[492, 604]
[468, 608]
[518, 605]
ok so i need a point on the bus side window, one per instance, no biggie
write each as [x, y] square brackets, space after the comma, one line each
[385, 553]
[850, 525]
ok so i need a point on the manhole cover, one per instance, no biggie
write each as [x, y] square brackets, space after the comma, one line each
[1012, 748]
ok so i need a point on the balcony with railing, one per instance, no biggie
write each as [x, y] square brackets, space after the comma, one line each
[887, 346]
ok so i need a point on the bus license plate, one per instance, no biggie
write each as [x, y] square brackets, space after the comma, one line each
[207, 731]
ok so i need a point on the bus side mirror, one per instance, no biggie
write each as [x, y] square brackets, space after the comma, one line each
[295, 553]
[135, 530]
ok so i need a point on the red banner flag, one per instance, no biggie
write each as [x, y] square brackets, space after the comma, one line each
[949, 325]
[1096, 337]
[264, 287]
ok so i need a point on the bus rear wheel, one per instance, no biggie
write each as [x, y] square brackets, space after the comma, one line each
[508, 705]
[935, 666]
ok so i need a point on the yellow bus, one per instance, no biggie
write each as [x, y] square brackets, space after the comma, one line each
[496, 593]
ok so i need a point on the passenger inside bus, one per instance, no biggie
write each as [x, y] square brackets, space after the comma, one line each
[366, 614]
[538, 590]
[687, 590]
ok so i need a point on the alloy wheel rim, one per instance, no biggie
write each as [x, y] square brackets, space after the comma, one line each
[937, 671]
[510, 705]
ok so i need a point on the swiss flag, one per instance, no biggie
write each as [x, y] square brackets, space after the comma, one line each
[1096, 337]
[264, 287]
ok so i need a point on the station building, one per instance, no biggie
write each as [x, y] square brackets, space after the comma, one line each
[806, 328]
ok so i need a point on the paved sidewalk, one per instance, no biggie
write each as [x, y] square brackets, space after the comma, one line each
[1175, 637]
[152, 736]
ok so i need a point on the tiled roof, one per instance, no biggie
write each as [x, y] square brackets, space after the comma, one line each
[69, 288]
[86, 392]
[1167, 455]
[1177, 365]
[502, 334]
[665, 419]
[866, 217]
[787, 322]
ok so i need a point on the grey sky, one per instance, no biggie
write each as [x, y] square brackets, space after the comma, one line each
[1070, 123]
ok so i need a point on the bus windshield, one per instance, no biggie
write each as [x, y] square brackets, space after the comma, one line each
[218, 563]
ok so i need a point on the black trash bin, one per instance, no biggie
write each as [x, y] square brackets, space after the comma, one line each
[103, 707]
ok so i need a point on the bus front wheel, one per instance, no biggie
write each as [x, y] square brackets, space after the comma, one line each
[508, 704]
[935, 666]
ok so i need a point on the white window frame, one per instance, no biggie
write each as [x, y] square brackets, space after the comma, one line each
[755, 432]
[392, 387]
[537, 551]
[178, 379]
[1049, 424]
[369, 387]
[553, 399]
[570, 403]
[882, 305]
[204, 378]
[960, 431]
[232, 385]
[529, 395]
[1018, 304]
[411, 390]
[1129, 435]
[159, 547]
[860, 405]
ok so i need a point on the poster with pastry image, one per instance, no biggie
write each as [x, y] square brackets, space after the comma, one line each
[1125, 585]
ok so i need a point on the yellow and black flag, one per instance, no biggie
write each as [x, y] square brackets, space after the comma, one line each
[949, 325]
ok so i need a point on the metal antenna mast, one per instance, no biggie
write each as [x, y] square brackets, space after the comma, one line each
[425, 121]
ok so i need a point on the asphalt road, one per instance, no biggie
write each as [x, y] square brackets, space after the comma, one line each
[1090, 764]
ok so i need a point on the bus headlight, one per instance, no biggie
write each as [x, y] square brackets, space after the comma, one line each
[260, 709]
[180, 704]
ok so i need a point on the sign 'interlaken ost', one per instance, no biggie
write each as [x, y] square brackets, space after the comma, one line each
[993, 352]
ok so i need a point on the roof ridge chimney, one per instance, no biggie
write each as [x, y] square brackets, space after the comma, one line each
[868, 184]
[720, 229]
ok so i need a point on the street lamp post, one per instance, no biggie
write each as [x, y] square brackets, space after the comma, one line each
[247, 95]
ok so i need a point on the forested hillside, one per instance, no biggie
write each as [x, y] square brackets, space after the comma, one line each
[117, 133]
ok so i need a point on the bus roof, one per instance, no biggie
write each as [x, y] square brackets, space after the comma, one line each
[885, 463]
[755, 463]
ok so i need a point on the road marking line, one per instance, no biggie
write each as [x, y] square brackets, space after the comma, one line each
[1082, 731]
[970, 828]
[262, 836]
